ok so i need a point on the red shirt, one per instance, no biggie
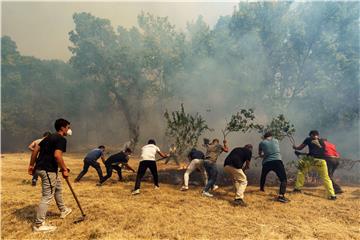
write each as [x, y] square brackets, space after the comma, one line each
[330, 150]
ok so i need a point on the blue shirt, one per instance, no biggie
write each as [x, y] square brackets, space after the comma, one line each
[271, 150]
[196, 154]
[94, 154]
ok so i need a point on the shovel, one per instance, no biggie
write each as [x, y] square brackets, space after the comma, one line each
[82, 218]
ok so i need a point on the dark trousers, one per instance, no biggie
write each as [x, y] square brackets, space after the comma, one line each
[212, 172]
[109, 170]
[332, 164]
[141, 172]
[87, 164]
[278, 167]
[172, 157]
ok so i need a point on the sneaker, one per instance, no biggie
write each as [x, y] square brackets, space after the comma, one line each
[215, 187]
[262, 190]
[339, 192]
[184, 188]
[99, 184]
[333, 198]
[240, 202]
[33, 183]
[296, 190]
[43, 228]
[207, 194]
[65, 213]
[135, 192]
[282, 199]
[156, 187]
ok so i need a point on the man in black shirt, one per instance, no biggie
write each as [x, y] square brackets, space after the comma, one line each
[50, 158]
[114, 161]
[315, 159]
[233, 165]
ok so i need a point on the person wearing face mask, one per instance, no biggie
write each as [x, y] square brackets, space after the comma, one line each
[48, 156]
[91, 160]
[315, 159]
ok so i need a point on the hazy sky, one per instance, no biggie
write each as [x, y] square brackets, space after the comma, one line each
[41, 29]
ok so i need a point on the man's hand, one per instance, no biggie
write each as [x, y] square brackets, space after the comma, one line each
[31, 170]
[294, 147]
[247, 165]
[65, 173]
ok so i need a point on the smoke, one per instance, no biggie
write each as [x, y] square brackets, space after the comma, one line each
[235, 73]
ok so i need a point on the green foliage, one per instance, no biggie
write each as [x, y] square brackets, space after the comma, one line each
[280, 128]
[243, 121]
[285, 55]
[184, 128]
[132, 65]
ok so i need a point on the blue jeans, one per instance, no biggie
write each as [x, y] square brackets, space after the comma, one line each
[212, 172]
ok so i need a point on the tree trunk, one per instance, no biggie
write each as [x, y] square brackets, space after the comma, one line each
[132, 116]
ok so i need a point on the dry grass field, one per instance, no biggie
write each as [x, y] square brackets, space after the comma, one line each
[113, 213]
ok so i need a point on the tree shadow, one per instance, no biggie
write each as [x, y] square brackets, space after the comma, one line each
[28, 213]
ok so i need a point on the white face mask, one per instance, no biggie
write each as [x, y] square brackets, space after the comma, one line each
[69, 132]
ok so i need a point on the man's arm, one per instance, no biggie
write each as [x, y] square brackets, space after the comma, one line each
[300, 147]
[163, 155]
[128, 167]
[34, 155]
[225, 147]
[247, 161]
[261, 153]
[103, 159]
[32, 146]
[59, 159]
[247, 165]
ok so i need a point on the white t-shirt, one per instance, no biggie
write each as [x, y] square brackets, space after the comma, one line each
[148, 152]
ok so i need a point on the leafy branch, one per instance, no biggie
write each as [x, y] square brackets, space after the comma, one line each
[243, 121]
[280, 128]
[185, 128]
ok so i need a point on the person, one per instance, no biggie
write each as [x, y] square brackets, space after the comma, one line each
[332, 161]
[315, 159]
[213, 151]
[113, 162]
[91, 160]
[172, 155]
[148, 153]
[50, 158]
[233, 166]
[196, 159]
[269, 150]
[31, 147]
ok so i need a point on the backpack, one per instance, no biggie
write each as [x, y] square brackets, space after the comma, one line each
[330, 150]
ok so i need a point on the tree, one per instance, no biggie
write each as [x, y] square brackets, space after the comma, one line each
[132, 65]
[184, 128]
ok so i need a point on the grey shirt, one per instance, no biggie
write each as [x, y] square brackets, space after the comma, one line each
[213, 151]
[271, 150]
